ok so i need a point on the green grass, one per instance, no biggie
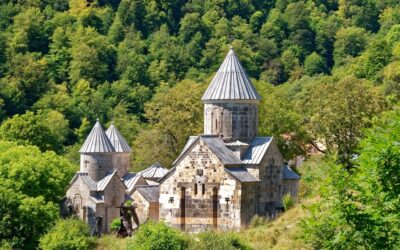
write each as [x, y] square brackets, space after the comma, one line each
[282, 233]
[112, 242]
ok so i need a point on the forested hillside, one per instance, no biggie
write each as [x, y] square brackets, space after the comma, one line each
[325, 69]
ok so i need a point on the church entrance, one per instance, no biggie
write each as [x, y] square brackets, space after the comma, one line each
[215, 208]
[182, 206]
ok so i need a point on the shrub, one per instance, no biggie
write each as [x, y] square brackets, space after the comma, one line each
[158, 236]
[219, 241]
[128, 203]
[115, 224]
[67, 234]
[258, 221]
[288, 201]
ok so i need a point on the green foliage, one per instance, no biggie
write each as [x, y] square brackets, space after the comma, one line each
[48, 130]
[350, 42]
[32, 184]
[158, 236]
[28, 171]
[288, 202]
[220, 241]
[24, 218]
[314, 64]
[69, 234]
[360, 208]
[106, 59]
[167, 112]
[115, 224]
[334, 115]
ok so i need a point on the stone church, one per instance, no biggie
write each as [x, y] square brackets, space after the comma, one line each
[228, 175]
[220, 180]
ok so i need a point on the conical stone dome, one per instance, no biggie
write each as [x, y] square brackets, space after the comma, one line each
[117, 140]
[231, 82]
[97, 141]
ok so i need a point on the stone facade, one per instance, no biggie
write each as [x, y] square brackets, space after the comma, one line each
[96, 203]
[233, 121]
[98, 189]
[194, 197]
[199, 194]
[146, 202]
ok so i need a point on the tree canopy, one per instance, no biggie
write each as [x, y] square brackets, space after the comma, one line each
[325, 69]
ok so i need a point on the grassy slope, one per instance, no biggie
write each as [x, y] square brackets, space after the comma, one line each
[282, 233]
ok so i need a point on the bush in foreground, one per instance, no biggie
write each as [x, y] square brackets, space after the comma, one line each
[158, 236]
[67, 234]
[288, 202]
[220, 241]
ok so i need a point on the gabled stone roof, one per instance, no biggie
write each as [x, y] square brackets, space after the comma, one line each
[155, 171]
[258, 147]
[241, 174]
[97, 141]
[102, 184]
[216, 145]
[117, 140]
[231, 82]
[150, 193]
[86, 179]
[93, 185]
[131, 179]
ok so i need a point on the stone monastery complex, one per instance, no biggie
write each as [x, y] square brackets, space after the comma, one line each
[219, 181]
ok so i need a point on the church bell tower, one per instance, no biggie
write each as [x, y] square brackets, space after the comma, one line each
[231, 103]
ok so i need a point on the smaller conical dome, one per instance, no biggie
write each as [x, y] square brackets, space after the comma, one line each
[117, 140]
[97, 141]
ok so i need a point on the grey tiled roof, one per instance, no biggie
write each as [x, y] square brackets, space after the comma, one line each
[256, 151]
[117, 140]
[257, 148]
[150, 193]
[91, 184]
[102, 184]
[130, 180]
[154, 171]
[241, 174]
[97, 141]
[217, 146]
[231, 82]
[289, 174]
[86, 179]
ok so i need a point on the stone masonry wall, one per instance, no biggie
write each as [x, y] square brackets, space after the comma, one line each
[142, 207]
[114, 196]
[235, 121]
[269, 172]
[97, 165]
[200, 195]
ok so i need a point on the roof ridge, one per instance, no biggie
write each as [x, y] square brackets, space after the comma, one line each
[145, 186]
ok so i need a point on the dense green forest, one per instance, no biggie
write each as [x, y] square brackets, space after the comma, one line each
[326, 70]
